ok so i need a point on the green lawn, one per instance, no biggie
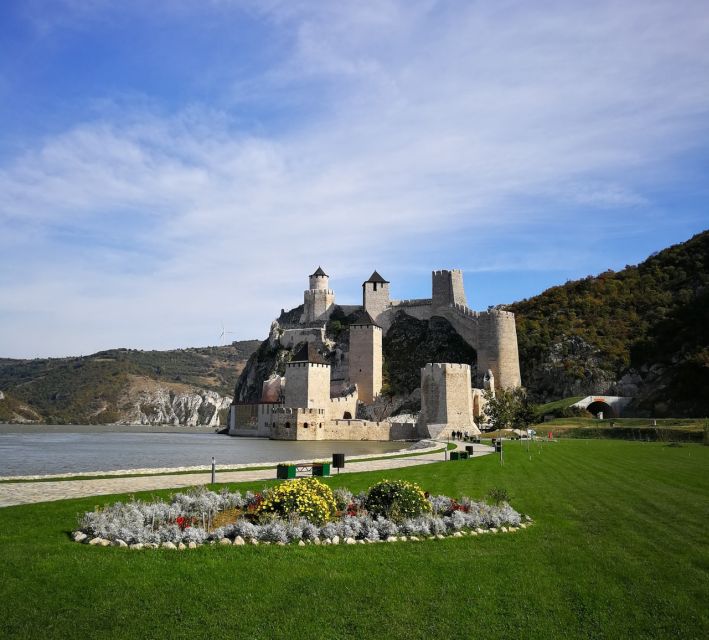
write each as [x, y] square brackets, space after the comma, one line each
[694, 424]
[619, 550]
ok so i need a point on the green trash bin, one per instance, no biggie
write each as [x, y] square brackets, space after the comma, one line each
[455, 455]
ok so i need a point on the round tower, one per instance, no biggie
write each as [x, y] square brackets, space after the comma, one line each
[319, 281]
[318, 300]
[497, 348]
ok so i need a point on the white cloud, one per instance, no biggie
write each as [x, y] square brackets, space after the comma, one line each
[433, 120]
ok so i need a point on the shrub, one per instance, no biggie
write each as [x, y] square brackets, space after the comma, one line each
[343, 498]
[396, 500]
[306, 497]
[498, 495]
[441, 504]
[386, 527]
[274, 531]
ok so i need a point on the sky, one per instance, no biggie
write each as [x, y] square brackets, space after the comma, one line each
[171, 167]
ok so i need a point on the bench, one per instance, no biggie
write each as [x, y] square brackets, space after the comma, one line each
[289, 471]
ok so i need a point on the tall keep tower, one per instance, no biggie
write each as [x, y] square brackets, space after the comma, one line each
[307, 380]
[365, 367]
[447, 288]
[446, 399]
[375, 296]
[319, 299]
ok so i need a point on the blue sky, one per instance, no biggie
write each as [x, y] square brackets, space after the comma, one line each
[169, 166]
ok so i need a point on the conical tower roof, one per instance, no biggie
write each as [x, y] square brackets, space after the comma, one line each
[319, 272]
[376, 277]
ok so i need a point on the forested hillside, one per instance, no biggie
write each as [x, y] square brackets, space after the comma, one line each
[102, 387]
[642, 331]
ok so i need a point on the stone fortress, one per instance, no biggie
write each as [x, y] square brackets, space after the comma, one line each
[330, 394]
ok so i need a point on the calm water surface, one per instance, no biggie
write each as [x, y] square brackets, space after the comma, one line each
[39, 449]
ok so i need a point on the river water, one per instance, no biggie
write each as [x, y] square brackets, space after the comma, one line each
[48, 449]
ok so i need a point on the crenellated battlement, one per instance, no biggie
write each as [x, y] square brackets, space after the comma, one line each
[306, 364]
[413, 302]
[320, 292]
[442, 272]
[296, 411]
[499, 313]
[446, 366]
[360, 327]
[464, 310]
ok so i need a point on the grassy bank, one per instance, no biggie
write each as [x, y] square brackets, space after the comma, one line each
[618, 550]
[637, 429]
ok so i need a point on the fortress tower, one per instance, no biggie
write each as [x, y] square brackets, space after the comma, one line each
[319, 299]
[307, 380]
[447, 288]
[375, 296]
[446, 399]
[365, 367]
[497, 348]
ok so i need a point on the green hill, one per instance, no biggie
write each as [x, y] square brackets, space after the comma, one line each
[642, 331]
[91, 388]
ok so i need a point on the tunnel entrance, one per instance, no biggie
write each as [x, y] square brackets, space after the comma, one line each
[601, 407]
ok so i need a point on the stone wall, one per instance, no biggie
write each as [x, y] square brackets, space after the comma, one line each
[288, 338]
[296, 424]
[343, 405]
[311, 424]
[251, 418]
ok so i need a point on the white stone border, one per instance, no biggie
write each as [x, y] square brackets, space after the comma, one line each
[82, 538]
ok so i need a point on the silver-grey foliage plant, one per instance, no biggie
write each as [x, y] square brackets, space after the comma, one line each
[188, 517]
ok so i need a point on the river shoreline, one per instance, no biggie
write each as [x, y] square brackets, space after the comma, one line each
[7, 427]
[90, 450]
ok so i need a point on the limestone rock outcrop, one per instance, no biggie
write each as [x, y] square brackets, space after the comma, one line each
[163, 405]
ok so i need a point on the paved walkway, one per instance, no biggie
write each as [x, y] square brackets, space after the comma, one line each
[31, 492]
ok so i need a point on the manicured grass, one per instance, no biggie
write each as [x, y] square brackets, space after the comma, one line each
[618, 550]
[695, 424]
[670, 429]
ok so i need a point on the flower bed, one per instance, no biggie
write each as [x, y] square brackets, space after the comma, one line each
[302, 511]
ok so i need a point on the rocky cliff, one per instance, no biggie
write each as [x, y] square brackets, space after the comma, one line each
[149, 402]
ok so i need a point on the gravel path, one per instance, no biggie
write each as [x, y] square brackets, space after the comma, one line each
[31, 492]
